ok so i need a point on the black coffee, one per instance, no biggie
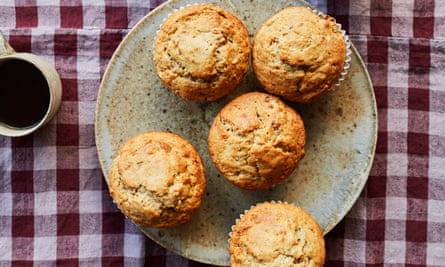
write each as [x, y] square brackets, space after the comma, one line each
[24, 94]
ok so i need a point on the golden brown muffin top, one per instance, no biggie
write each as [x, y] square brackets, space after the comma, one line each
[276, 234]
[256, 140]
[157, 179]
[202, 52]
[298, 54]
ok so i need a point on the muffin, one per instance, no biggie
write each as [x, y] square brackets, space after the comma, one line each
[276, 234]
[256, 140]
[157, 179]
[298, 54]
[201, 52]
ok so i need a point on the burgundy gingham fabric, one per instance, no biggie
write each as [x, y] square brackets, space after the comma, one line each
[54, 204]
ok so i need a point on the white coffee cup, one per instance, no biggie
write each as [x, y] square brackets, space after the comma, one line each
[30, 91]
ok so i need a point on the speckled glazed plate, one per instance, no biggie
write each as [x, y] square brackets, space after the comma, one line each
[341, 135]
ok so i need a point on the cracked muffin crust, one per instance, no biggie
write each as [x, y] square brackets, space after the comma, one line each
[157, 179]
[256, 140]
[276, 234]
[298, 54]
[201, 52]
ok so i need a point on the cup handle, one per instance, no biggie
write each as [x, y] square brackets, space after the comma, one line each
[5, 48]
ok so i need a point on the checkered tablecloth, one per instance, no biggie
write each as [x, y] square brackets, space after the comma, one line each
[54, 204]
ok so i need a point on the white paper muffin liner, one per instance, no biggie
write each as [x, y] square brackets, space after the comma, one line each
[348, 48]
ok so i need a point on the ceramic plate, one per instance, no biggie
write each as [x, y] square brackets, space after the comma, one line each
[341, 136]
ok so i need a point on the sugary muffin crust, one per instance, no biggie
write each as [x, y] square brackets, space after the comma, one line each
[256, 140]
[276, 234]
[298, 55]
[157, 179]
[202, 52]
